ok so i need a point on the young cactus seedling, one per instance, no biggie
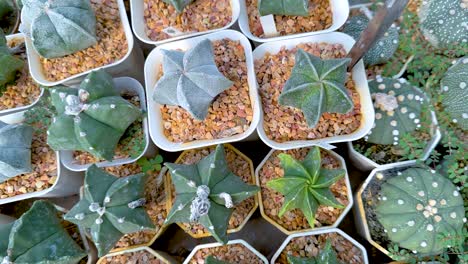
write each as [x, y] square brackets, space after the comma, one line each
[179, 5]
[191, 80]
[317, 86]
[326, 256]
[111, 207]
[284, 7]
[15, 150]
[92, 118]
[11, 65]
[206, 192]
[38, 237]
[306, 185]
[418, 206]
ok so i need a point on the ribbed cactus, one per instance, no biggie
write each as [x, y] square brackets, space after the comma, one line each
[382, 50]
[206, 192]
[191, 80]
[326, 256]
[212, 260]
[306, 185]
[444, 22]
[317, 86]
[284, 7]
[38, 237]
[111, 207]
[15, 150]
[92, 118]
[59, 27]
[179, 5]
[397, 110]
[11, 65]
[417, 207]
[455, 92]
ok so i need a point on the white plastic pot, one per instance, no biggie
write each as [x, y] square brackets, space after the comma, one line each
[139, 24]
[152, 68]
[231, 242]
[359, 77]
[125, 66]
[162, 256]
[340, 10]
[125, 85]
[320, 232]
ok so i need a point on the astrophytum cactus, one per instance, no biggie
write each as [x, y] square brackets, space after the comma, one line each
[397, 110]
[59, 27]
[179, 5]
[444, 22]
[284, 7]
[455, 92]
[306, 185]
[317, 86]
[191, 79]
[206, 193]
[383, 49]
[326, 256]
[15, 150]
[417, 207]
[38, 237]
[92, 118]
[11, 65]
[111, 207]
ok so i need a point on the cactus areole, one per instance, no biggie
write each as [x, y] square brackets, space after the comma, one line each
[206, 192]
[326, 256]
[11, 65]
[284, 7]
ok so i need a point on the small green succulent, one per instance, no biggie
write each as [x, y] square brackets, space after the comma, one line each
[284, 7]
[326, 256]
[179, 5]
[212, 260]
[11, 65]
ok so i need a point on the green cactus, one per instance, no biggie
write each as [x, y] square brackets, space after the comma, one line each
[212, 260]
[15, 150]
[11, 65]
[206, 193]
[444, 22]
[38, 237]
[191, 80]
[326, 256]
[383, 49]
[92, 118]
[284, 7]
[6, 8]
[417, 206]
[306, 185]
[179, 5]
[111, 207]
[317, 86]
[397, 110]
[59, 27]
[455, 92]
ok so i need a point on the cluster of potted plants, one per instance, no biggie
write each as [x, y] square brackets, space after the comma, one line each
[75, 124]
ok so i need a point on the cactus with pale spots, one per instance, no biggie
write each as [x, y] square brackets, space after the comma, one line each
[38, 237]
[11, 65]
[454, 86]
[417, 206]
[317, 86]
[326, 256]
[111, 207]
[92, 118]
[444, 22]
[206, 193]
[306, 185]
[284, 7]
[15, 150]
[397, 107]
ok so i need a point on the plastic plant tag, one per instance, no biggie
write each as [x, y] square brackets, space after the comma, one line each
[325, 145]
[173, 32]
[269, 25]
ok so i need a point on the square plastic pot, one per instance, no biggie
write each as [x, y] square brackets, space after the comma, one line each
[164, 257]
[152, 69]
[359, 77]
[139, 24]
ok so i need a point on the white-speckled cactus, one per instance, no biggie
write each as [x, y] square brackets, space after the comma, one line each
[179, 5]
[284, 7]
[444, 22]
[15, 150]
[417, 206]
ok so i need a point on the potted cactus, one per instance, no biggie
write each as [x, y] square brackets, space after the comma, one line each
[317, 178]
[213, 189]
[137, 255]
[454, 96]
[9, 16]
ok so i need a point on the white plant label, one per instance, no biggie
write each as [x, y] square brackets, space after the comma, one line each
[325, 145]
[173, 32]
[269, 26]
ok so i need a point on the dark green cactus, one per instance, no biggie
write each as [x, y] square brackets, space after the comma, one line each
[111, 207]
[326, 256]
[179, 5]
[317, 86]
[92, 118]
[59, 27]
[191, 80]
[212, 260]
[206, 192]
[284, 7]
[306, 185]
[455, 92]
[417, 207]
[15, 150]
[6, 8]
[11, 65]
[397, 110]
[383, 49]
[38, 237]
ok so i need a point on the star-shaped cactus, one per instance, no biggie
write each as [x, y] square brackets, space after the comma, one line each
[11, 65]
[206, 192]
[111, 207]
[284, 7]
[317, 86]
[326, 256]
[191, 80]
[179, 5]
[15, 150]
[306, 185]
